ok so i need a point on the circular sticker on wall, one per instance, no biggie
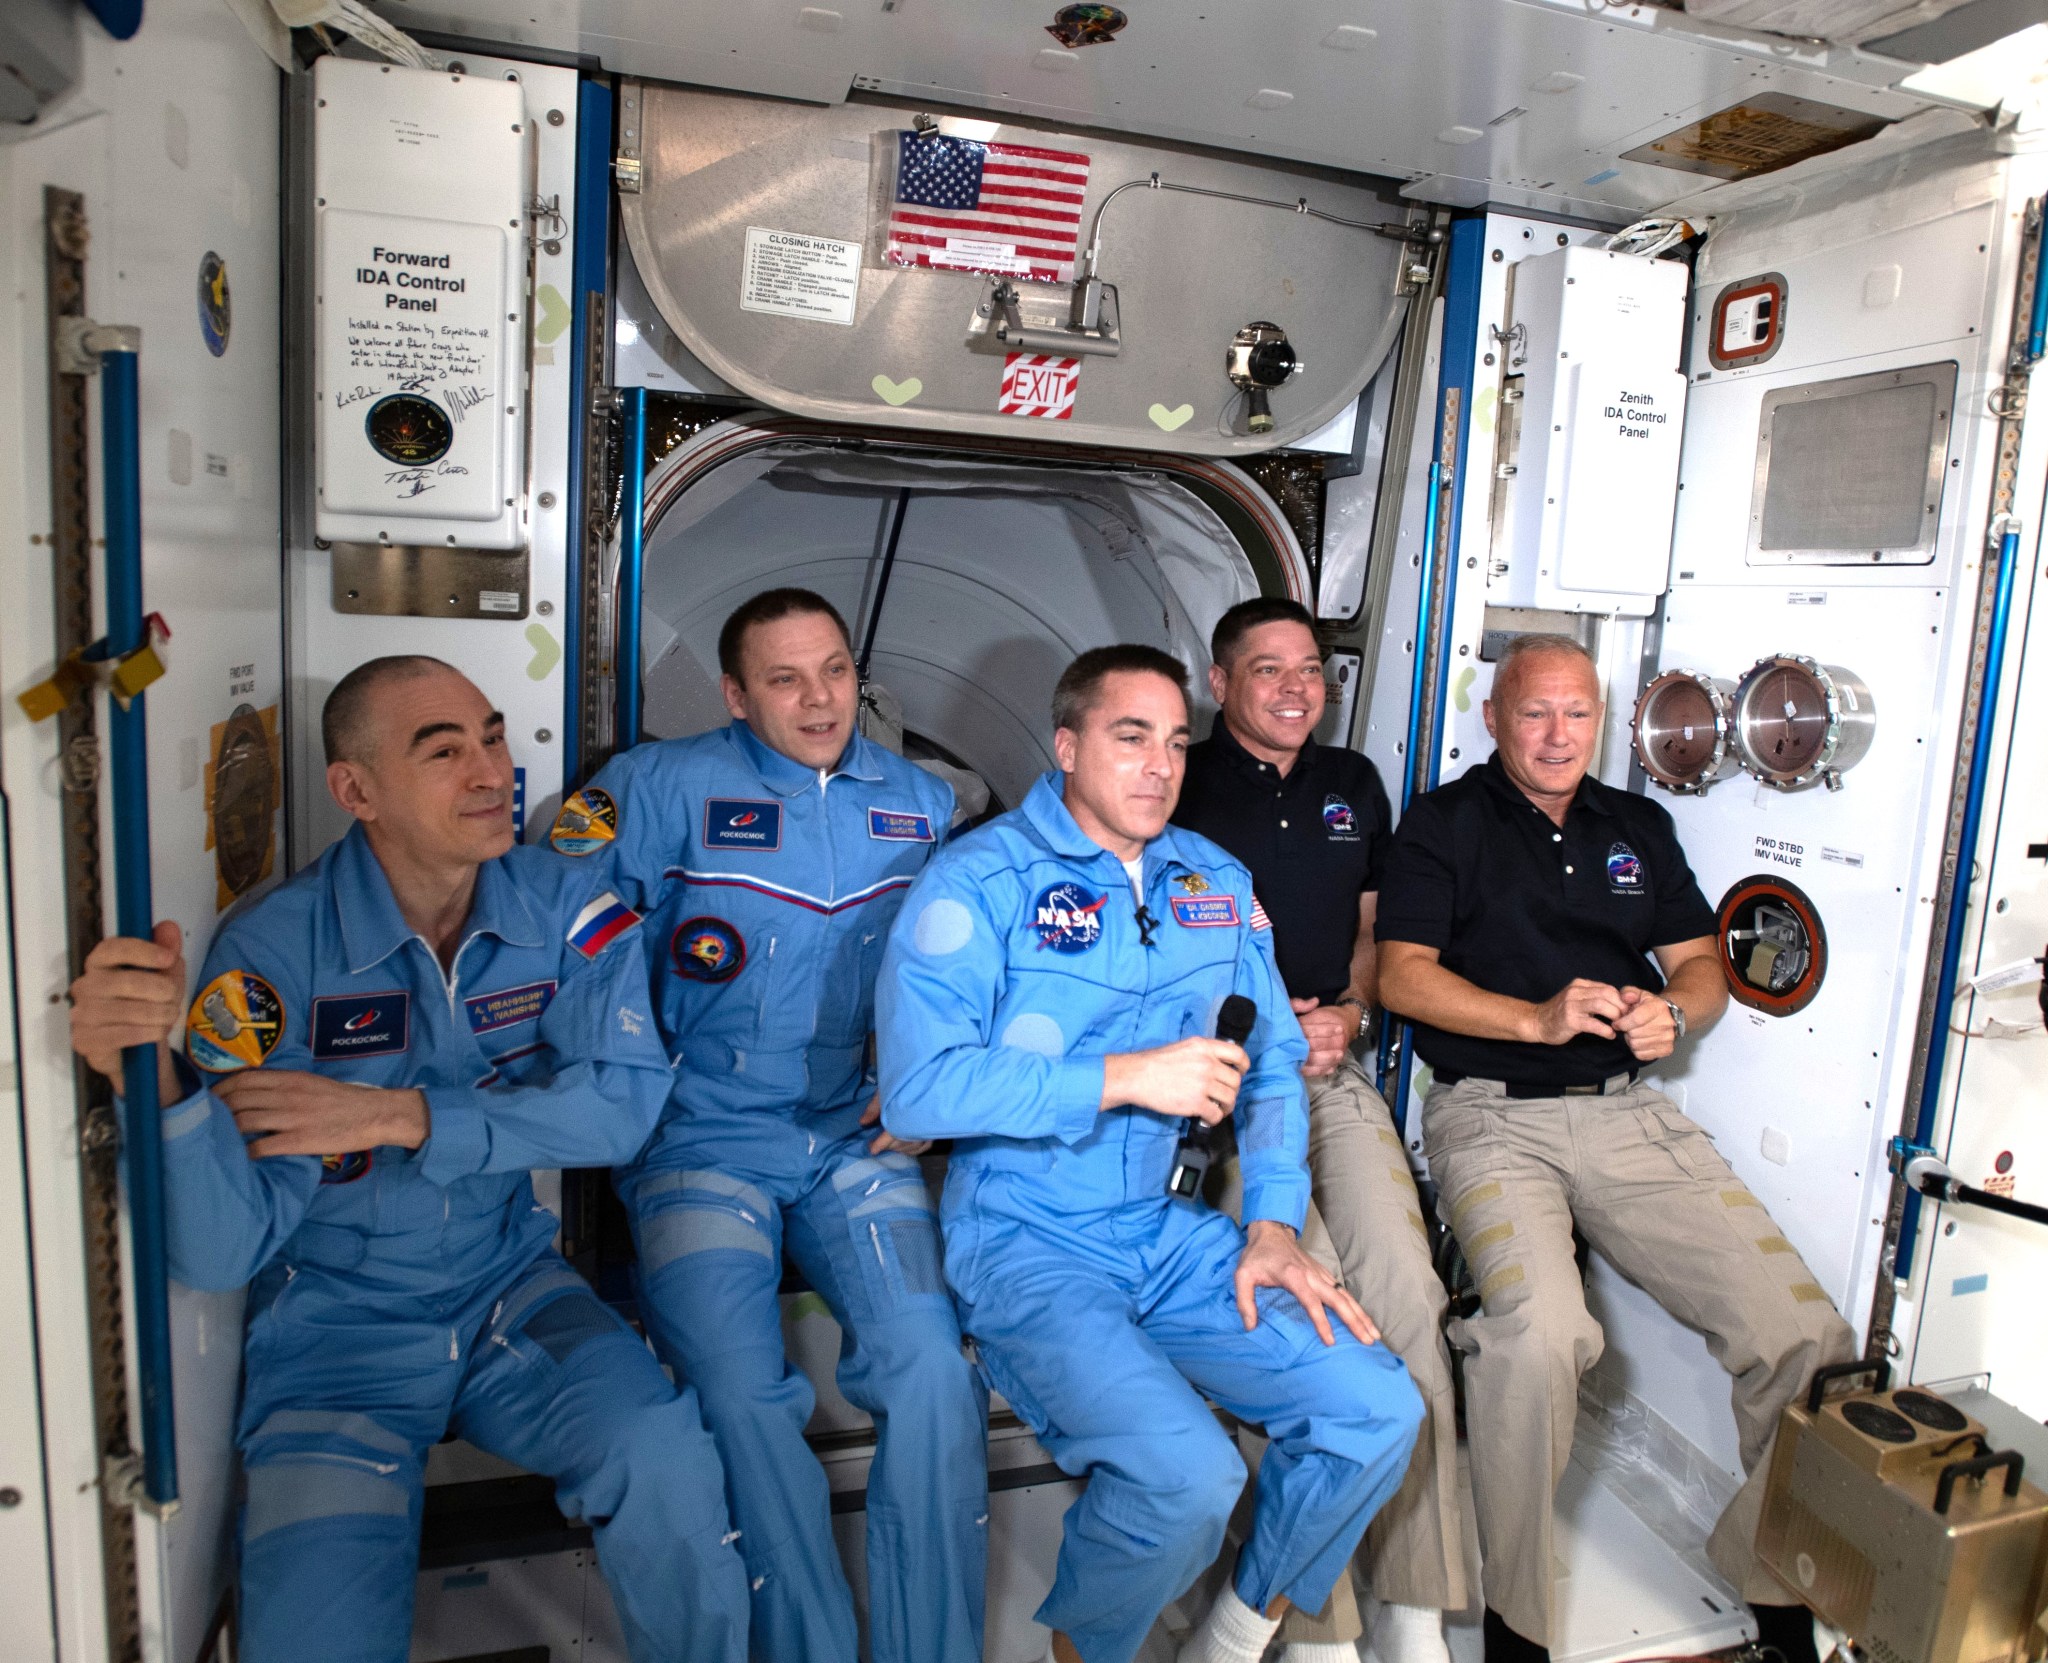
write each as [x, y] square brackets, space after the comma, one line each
[409, 430]
[245, 798]
[215, 314]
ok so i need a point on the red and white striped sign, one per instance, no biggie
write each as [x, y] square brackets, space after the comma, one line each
[1036, 384]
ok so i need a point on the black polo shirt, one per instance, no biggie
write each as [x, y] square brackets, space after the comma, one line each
[1519, 906]
[1314, 840]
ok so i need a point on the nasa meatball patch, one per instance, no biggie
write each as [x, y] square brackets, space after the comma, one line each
[361, 1025]
[742, 823]
[1067, 918]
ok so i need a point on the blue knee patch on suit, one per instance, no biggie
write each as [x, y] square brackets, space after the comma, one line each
[562, 1325]
[299, 1491]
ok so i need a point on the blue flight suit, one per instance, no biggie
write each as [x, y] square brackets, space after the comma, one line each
[401, 1293]
[1102, 1308]
[770, 888]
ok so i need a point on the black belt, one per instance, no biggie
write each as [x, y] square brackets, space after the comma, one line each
[1524, 1090]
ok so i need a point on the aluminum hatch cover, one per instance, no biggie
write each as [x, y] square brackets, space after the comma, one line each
[716, 169]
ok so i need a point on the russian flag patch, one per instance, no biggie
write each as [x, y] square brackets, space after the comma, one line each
[601, 923]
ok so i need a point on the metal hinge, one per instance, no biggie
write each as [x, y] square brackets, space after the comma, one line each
[626, 170]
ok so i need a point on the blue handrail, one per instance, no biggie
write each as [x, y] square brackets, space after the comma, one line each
[1460, 346]
[1966, 860]
[1394, 1034]
[632, 547]
[592, 245]
[135, 915]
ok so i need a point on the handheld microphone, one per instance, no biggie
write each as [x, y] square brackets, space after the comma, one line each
[1234, 1022]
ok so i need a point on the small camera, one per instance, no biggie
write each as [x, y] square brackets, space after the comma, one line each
[1260, 359]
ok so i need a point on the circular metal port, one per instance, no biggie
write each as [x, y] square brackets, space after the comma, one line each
[1799, 722]
[1773, 949]
[1684, 730]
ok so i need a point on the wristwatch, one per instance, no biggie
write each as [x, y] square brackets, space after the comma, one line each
[1364, 1013]
[1677, 1016]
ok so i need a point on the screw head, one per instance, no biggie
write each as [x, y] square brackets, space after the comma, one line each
[543, 735]
[10, 1496]
[546, 609]
[547, 499]
[555, 118]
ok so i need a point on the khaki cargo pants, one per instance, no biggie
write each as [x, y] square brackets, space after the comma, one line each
[1366, 1229]
[1651, 1193]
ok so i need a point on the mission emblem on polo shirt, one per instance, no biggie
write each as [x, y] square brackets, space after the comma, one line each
[587, 822]
[1067, 918]
[1624, 869]
[235, 1022]
[1337, 816]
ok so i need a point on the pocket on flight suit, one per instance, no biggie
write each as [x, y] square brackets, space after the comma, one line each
[893, 1227]
[1687, 1144]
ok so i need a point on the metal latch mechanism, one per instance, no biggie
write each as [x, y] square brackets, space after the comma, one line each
[1089, 329]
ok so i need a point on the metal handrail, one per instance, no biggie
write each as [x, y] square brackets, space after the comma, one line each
[632, 553]
[135, 915]
[1966, 860]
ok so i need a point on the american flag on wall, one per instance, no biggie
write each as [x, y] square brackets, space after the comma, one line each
[965, 205]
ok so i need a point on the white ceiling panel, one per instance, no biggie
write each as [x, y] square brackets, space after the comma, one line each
[1554, 90]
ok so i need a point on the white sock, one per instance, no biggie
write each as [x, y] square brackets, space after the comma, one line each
[1231, 1633]
[1319, 1651]
[1409, 1634]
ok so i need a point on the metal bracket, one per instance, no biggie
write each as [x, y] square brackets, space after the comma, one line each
[1090, 328]
[80, 341]
[121, 1479]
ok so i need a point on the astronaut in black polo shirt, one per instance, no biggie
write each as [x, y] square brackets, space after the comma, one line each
[1312, 823]
[1547, 938]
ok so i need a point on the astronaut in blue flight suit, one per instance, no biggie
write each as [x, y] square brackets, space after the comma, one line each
[405, 1281]
[1048, 1000]
[771, 856]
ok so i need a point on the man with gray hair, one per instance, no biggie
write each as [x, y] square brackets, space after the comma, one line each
[1546, 937]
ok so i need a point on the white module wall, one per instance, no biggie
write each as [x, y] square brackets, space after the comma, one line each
[1586, 512]
[420, 182]
[172, 139]
[1886, 271]
[519, 662]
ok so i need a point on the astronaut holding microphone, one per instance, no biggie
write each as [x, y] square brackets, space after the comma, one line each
[1048, 1000]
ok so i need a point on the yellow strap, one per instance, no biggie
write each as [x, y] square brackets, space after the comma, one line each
[135, 672]
[50, 698]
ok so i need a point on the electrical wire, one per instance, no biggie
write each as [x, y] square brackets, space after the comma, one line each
[1993, 1028]
[354, 18]
[1651, 237]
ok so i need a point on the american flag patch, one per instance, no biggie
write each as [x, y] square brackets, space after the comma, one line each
[1259, 919]
[601, 923]
[965, 205]
[1035, 384]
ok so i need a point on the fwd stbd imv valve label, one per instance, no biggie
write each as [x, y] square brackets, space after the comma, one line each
[411, 367]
